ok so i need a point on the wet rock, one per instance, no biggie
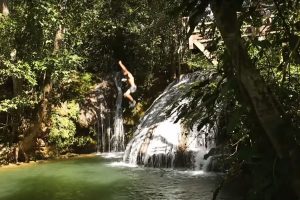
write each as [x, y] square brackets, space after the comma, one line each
[162, 140]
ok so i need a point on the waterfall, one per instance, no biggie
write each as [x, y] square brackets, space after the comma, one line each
[99, 127]
[161, 140]
[118, 134]
[95, 113]
[102, 119]
[108, 131]
[98, 136]
[101, 139]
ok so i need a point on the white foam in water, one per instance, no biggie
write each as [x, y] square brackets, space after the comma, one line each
[192, 173]
[122, 164]
[201, 173]
[112, 155]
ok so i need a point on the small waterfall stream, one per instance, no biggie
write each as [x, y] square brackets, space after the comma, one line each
[98, 136]
[118, 133]
[101, 139]
[102, 117]
[162, 141]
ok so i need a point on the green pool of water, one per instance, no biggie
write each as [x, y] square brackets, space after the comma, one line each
[98, 178]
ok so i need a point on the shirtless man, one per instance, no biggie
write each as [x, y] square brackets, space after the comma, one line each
[129, 78]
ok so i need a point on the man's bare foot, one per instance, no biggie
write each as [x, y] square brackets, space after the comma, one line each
[132, 104]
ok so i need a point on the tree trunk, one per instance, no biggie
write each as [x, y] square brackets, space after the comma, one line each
[279, 132]
[4, 7]
[40, 124]
[17, 83]
[58, 41]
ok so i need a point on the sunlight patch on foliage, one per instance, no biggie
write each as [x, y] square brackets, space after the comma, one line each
[62, 133]
[16, 103]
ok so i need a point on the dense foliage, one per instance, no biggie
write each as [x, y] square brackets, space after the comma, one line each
[259, 93]
[54, 52]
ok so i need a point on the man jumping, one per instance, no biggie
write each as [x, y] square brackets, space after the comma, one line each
[129, 78]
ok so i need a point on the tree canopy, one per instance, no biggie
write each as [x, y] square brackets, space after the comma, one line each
[53, 52]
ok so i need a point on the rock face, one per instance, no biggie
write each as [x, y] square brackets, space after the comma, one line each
[161, 140]
[96, 113]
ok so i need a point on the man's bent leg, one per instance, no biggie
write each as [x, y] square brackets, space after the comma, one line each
[132, 102]
[128, 96]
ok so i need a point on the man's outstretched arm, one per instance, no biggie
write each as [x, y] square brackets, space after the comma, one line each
[123, 66]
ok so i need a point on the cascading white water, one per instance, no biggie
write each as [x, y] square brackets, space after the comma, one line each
[98, 136]
[99, 124]
[118, 134]
[199, 143]
[160, 140]
[101, 140]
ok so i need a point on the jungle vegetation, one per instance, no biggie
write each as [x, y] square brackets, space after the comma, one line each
[53, 52]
